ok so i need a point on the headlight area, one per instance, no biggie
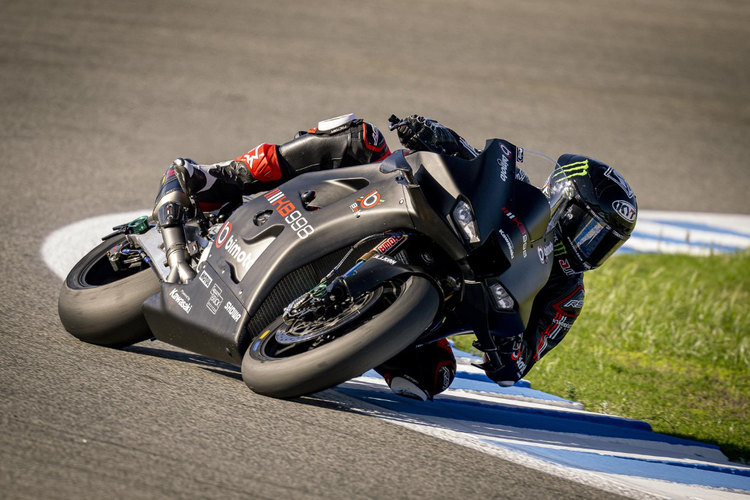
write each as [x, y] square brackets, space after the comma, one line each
[464, 218]
[500, 296]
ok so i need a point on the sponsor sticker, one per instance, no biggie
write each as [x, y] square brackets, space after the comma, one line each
[365, 202]
[565, 325]
[507, 242]
[224, 233]
[544, 252]
[232, 311]
[565, 266]
[184, 304]
[503, 162]
[560, 248]
[205, 279]
[385, 258]
[292, 216]
[389, 243]
[232, 247]
[215, 300]
[521, 228]
[574, 303]
[624, 210]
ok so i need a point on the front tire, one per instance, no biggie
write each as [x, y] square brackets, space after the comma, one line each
[370, 343]
[102, 307]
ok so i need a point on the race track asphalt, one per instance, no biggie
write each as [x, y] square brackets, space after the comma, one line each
[97, 98]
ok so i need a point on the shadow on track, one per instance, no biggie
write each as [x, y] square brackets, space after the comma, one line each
[210, 364]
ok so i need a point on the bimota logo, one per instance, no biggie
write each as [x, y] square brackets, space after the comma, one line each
[544, 252]
[291, 215]
[245, 259]
[233, 248]
[224, 233]
[184, 304]
[233, 312]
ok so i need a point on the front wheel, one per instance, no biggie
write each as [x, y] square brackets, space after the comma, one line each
[101, 306]
[376, 327]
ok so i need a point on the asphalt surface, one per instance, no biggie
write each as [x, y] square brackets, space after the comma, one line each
[97, 98]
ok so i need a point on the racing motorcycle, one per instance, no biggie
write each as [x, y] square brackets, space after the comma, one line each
[330, 274]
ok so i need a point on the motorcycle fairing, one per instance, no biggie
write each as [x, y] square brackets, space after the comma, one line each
[292, 259]
[266, 254]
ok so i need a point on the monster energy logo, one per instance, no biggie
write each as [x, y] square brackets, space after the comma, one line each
[577, 169]
[560, 248]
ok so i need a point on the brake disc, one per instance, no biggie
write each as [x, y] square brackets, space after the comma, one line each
[300, 330]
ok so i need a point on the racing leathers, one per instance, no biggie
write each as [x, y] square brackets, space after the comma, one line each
[346, 141]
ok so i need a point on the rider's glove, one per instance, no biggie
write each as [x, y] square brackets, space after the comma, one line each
[425, 134]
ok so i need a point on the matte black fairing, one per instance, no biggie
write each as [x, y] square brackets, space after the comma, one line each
[275, 247]
[264, 241]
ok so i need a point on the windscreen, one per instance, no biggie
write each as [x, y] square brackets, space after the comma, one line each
[540, 169]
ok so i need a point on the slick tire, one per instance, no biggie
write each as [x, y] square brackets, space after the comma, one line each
[369, 344]
[98, 307]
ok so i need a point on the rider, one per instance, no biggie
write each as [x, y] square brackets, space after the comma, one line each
[594, 206]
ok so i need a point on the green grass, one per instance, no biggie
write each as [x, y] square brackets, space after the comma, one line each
[665, 339]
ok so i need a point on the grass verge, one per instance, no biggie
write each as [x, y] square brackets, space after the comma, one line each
[665, 339]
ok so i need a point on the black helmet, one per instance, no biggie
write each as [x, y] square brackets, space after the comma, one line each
[594, 209]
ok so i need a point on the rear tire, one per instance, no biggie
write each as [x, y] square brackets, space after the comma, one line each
[102, 307]
[373, 341]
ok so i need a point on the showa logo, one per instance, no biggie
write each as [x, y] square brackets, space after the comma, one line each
[233, 248]
[624, 210]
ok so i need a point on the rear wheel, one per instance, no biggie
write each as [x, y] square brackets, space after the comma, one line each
[305, 356]
[102, 306]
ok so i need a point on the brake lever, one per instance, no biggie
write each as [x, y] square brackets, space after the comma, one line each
[395, 122]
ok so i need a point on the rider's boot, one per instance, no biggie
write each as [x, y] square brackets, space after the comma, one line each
[170, 208]
[220, 183]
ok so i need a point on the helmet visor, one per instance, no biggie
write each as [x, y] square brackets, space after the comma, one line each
[593, 240]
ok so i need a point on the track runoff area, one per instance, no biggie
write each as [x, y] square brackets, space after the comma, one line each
[524, 425]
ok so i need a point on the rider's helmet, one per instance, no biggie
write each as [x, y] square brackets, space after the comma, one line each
[593, 207]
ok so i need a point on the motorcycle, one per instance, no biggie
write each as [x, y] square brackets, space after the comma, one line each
[330, 274]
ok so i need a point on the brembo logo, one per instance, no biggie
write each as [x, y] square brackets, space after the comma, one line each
[233, 248]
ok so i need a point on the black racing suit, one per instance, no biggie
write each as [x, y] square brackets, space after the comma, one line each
[431, 367]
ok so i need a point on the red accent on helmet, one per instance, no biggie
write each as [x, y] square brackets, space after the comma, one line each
[262, 162]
